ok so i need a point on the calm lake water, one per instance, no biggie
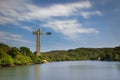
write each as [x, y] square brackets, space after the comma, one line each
[73, 70]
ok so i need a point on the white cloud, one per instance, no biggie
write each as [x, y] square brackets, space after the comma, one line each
[56, 10]
[27, 28]
[13, 11]
[20, 10]
[13, 37]
[4, 20]
[69, 28]
[88, 14]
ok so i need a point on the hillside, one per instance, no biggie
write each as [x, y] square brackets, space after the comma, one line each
[12, 56]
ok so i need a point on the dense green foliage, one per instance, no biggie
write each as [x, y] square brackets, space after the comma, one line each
[11, 56]
[5, 59]
[104, 54]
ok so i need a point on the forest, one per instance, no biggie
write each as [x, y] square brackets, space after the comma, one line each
[13, 56]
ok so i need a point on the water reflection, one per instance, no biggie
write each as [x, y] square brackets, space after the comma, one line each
[37, 72]
[118, 66]
[14, 73]
[75, 70]
[81, 70]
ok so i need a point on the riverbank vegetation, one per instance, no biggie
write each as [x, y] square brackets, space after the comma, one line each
[103, 54]
[12, 56]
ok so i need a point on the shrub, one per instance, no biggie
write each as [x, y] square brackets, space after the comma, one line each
[6, 60]
[22, 59]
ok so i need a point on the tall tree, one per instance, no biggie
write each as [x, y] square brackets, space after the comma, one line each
[26, 51]
[4, 47]
[14, 51]
[116, 53]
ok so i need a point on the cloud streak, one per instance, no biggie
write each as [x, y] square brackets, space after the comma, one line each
[13, 37]
[69, 28]
[88, 14]
[23, 10]
[56, 10]
[14, 12]
[27, 28]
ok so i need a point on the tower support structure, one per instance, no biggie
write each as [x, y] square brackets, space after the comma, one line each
[38, 42]
[38, 34]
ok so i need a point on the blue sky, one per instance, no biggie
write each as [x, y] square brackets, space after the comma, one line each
[73, 23]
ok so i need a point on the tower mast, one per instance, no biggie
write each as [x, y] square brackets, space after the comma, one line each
[38, 34]
[38, 42]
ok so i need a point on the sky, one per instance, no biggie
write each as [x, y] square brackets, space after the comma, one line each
[73, 23]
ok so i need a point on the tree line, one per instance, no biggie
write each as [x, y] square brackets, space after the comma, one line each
[103, 54]
[12, 56]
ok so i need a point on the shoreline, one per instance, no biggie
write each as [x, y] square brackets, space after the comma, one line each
[55, 61]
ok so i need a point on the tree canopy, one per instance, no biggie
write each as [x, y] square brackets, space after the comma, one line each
[10, 56]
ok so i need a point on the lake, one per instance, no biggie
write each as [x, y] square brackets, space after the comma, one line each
[68, 70]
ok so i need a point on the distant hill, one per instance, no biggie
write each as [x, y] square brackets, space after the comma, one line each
[107, 54]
